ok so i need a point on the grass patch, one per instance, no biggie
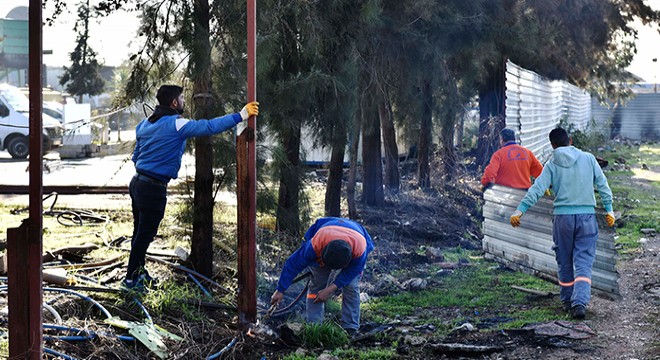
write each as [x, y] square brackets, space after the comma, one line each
[635, 193]
[166, 299]
[530, 316]
[325, 335]
[373, 354]
[474, 290]
[4, 347]
[298, 357]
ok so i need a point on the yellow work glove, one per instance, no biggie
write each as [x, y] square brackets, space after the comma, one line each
[250, 109]
[515, 218]
[610, 219]
[548, 193]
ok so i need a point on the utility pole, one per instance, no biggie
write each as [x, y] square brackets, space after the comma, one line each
[246, 188]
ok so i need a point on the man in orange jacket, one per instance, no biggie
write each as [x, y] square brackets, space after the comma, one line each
[512, 165]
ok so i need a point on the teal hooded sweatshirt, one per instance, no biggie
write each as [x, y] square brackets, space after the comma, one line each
[573, 175]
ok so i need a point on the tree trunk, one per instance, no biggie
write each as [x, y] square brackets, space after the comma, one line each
[372, 167]
[491, 115]
[335, 175]
[391, 148]
[460, 132]
[447, 143]
[425, 137]
[288, 207]
[202, 238]
[352, 170]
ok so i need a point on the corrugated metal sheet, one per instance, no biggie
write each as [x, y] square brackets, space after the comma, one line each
[534, 106]
[638, 119]
[529, 247]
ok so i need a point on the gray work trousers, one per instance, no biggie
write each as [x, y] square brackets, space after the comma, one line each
[350, 305]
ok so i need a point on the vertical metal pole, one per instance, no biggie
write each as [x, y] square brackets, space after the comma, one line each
[25, 293]
[247, 190]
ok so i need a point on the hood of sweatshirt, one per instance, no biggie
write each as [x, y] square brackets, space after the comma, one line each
[565, 156]
[161, 111]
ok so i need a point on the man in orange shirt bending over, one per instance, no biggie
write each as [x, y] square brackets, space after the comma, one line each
[511, 165]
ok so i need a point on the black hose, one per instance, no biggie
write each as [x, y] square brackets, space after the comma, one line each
[68, 217]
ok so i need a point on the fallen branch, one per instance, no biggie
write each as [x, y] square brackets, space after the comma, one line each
[535, 292]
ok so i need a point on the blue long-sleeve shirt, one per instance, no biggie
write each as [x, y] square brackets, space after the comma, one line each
[573, 175]
[160, 145]
[317, 237]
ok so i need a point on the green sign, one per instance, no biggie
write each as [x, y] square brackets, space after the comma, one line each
[14, 37]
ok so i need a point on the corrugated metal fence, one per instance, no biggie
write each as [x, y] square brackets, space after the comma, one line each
[529, 247]
[534, 106]
[637, 119]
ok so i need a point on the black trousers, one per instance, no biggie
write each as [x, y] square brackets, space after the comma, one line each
[148, 200]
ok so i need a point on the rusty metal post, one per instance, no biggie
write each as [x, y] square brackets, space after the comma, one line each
[24, 244]
[247, 276]
[247, 190]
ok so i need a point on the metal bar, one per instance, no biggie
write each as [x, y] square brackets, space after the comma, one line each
[66, 189]
[247, 301]
[26, 338]
[17, 273]
[247, 189]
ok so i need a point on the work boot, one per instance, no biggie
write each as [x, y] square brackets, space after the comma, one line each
[352, 333]
[146, 279]
[578, 312]
[136, 285]
[567, 306]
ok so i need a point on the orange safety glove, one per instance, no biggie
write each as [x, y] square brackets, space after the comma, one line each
[250, 109]
[610, 219]
[515, 218]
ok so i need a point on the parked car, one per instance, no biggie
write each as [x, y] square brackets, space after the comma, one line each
[54, 110]
[15, 124]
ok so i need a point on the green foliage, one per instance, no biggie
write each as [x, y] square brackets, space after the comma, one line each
[591, 138]
[325, 335]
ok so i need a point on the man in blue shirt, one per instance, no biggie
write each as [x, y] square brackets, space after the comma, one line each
[573, 175]
[330, 244]
[160, 144]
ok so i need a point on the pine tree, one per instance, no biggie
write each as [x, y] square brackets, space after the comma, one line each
[83, 77]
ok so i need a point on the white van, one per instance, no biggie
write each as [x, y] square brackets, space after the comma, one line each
[15, 124]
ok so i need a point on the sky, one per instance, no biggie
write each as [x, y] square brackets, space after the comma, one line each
[114, 37]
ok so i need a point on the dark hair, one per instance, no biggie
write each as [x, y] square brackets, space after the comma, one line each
[508, 135]
[337, 254]
[167, 93]
[559, 137]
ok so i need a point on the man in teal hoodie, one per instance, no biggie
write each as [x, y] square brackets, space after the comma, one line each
[573, 175]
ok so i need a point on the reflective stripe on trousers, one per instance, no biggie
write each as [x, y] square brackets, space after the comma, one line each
[350, 305]
[574, 237]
